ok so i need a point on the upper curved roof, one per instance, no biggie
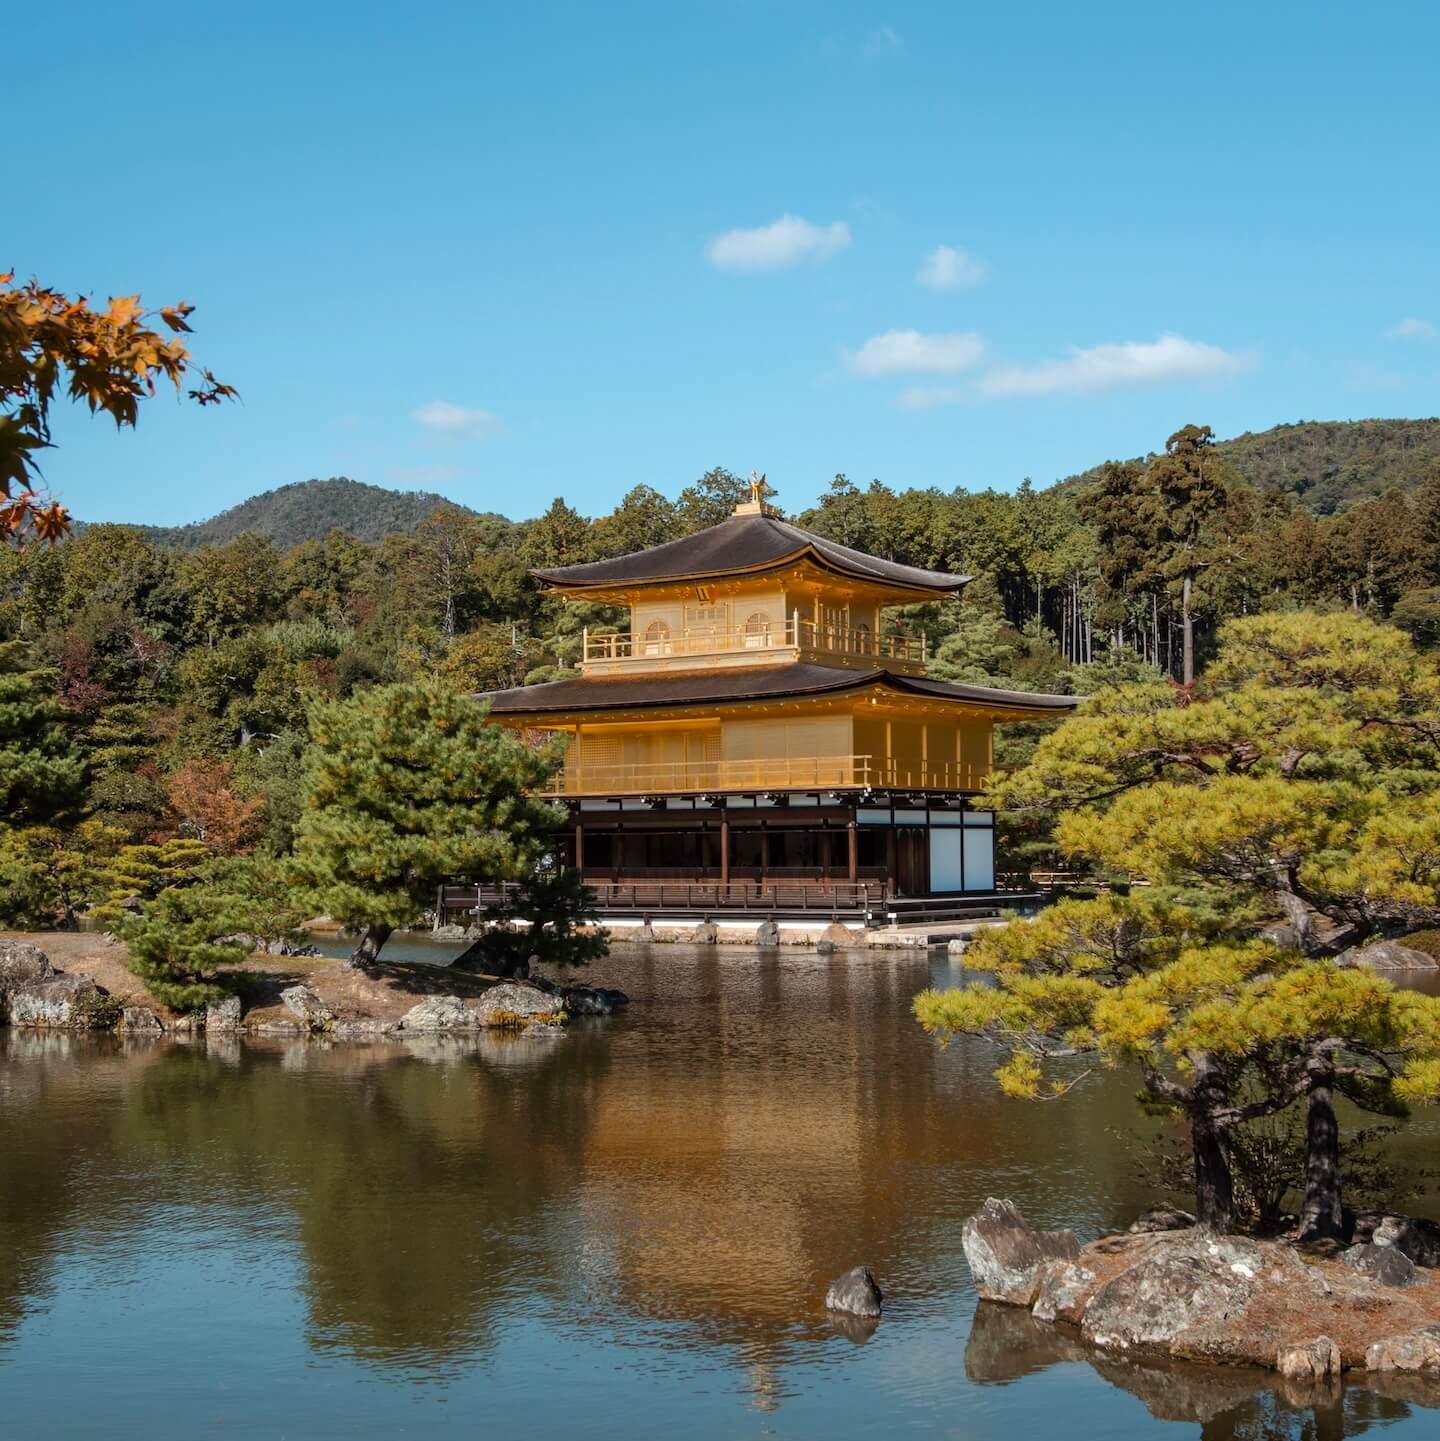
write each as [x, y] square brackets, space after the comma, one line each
[744, 543]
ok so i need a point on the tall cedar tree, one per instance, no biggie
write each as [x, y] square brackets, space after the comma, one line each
[1301, 780]
[1191, 492]
[407, 786]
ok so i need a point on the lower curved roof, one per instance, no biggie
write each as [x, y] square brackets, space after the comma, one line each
[776, 682]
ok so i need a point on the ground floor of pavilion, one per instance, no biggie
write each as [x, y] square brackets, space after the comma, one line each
[847, 854]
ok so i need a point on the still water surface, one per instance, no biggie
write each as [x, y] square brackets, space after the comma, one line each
[623, 1234]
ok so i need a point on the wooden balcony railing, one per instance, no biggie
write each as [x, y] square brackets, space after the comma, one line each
[789, 773]
[769, 635]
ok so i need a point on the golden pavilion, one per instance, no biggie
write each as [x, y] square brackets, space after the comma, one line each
[759, 737]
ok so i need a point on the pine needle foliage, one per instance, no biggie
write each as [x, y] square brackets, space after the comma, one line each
[407, 786]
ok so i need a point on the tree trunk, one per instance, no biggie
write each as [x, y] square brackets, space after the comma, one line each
[1321, 1215]
[367, 948]
[1187, 622]
[1214, 1183]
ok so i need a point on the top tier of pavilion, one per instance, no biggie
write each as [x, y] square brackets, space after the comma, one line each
[752, 590]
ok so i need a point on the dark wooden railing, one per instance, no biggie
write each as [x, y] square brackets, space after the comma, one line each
[661, 894]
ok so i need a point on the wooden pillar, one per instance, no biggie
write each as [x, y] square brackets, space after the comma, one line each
[764, 852]
[890, 858]
[852, 851]
[724, 847]
[579, 843]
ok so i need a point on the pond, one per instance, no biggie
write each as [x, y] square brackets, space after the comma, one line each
[624, 1234]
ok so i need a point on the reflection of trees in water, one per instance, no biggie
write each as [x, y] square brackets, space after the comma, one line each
[419, 1182]
[57, 1098]
[1229, 1403]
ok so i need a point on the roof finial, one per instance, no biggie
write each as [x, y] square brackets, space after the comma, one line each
[756, 504]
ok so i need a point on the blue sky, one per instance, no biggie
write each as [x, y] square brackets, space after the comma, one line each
[509, 252]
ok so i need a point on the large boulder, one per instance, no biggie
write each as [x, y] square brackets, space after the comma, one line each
[1390, 956]
[140, 1020]
[1412, 1236]
[223, 1016]
[1181, 1282]
[513, 1004]
[707, 933]
[1383, 1264]
[1064, 1292]
[60, 1002]
[1417, 1350]
[1007, 1257]
[306, 1006]
[439, 1013]
[767, 933]
[20, 961]
[855, 1293]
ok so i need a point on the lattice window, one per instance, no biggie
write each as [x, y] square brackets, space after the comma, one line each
[757, 630]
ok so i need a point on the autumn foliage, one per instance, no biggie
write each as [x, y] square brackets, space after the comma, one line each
[109, 359]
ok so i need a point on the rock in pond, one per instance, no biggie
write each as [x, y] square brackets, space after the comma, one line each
[20, 961]
[59, 1002]
[1064, 1291]
[439, 1013]
[1315, 1360]
[1195, 1295]
[1186, 1280]
[306, 1006]
[855, 1293]
[1383, 1264]
[767, 933]
[1390, 956]
[592, 1000]
[512, 1004]
[223, 1015]
[1417, 1350]
[707, 933]
[543, 1031]
[140, 1020]
[1007, 1257]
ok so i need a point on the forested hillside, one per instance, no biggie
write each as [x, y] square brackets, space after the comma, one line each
[309, 510]
[184, 674]
[1329, 464]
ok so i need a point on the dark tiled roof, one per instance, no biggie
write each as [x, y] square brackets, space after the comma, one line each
[744, 543]
[595, 693]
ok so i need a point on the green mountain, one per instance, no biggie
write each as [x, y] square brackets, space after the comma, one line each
[310, 510]
[1328, 465]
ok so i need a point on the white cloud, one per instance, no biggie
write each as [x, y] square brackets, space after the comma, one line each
[783, 242]
[1411, 328]
[1102, 367]
[882, 41]
[911, 352]
[946, 268]
[457, 422]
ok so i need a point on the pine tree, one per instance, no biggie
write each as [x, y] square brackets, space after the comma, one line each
[1299, 780]
[42, 772]
[406, 787]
